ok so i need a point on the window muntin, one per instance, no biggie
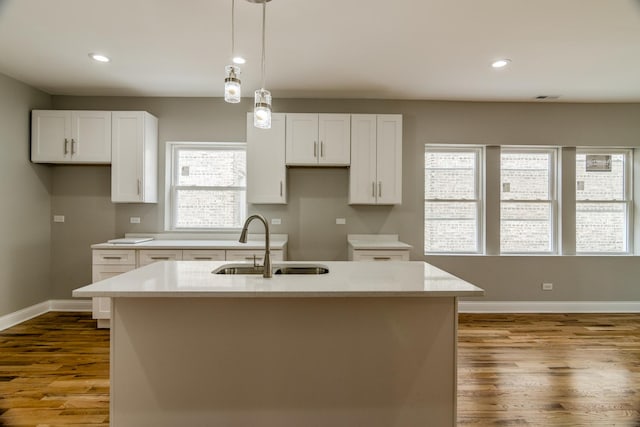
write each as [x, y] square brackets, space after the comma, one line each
[208, 186]
[452, 200]
[603, 201]
[527, 200]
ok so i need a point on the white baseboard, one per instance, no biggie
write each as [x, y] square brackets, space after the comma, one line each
[549, 306]
[27, 313]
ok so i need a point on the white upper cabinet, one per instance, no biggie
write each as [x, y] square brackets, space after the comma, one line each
[375, 176]
[134, 169]
[62, 136]
[318, 139]
[266, 170]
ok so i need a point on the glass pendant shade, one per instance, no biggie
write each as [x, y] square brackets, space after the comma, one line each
[262, 109]
[232, 90]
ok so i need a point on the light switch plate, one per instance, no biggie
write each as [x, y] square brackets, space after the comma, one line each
[58, 218]
[134, 220]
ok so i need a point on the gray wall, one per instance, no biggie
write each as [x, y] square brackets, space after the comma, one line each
[25, 225]
[317, 196]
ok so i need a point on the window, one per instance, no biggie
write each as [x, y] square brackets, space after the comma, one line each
[603, 201]
[207, 186]
[527, 200]
[453, 200]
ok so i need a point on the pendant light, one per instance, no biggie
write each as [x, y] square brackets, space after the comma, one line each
[232, 90]
[262, 98]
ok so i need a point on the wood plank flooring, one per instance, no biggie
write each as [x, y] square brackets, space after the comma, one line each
[54, 371]
[535, 370]
[549, 370]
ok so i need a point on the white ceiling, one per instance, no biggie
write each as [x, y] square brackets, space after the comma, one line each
[579, 50]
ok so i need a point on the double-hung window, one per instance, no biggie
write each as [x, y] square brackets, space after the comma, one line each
[207, 188]
[603, 201]
[528, 200]
[453, 200]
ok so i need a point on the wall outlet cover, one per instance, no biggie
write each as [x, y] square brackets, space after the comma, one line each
[58, 218]
[276, 221]
[341, 221]
[547, 286]
[134, 220]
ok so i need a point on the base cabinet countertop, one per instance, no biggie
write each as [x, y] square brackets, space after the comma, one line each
[112, 259]
[367, 344]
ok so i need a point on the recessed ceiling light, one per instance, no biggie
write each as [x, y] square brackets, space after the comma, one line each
[500, 63]
[99, 57]
[239, 60]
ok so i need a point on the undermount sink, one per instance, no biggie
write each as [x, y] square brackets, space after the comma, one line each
[277, 269]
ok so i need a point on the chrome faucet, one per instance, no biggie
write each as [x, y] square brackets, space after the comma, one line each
[267, 249]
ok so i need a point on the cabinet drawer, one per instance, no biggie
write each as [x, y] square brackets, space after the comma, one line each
[381, 255]
[101, 272]
[114, 256]
[248, 254]
[203, 255]
[149, 256]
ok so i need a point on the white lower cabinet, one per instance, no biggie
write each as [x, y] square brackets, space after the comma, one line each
[106, 264]
[149, 256]
[379, 255]
[203, 255]
[249, 255]
[111, 262]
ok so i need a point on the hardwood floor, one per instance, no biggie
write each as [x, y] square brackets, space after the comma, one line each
[536, 370]
[549, 370]
[54, 371]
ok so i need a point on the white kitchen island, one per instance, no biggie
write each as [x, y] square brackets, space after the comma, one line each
[368, 344]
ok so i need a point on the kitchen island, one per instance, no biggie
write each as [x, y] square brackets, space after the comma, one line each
[367, 344]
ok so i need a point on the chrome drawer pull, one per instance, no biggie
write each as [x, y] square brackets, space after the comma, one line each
[112, 257]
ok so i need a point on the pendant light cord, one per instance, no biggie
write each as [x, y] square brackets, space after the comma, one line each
[264, 12]
[233, 30]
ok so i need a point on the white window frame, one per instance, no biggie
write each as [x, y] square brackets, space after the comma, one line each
[171, 162]
[628, 195]
[554, 158]
[478, 200]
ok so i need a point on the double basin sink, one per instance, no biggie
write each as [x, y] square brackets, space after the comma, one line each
[276, 269]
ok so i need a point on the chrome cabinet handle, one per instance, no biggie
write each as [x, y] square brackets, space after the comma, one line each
[73, 144]
[112, 257]
[280, 188]
[379, 188]
[159, 257]
[381, 258]
[315, 148]
[321, 148]
[373, 189]
[203, 258]
[66, 146]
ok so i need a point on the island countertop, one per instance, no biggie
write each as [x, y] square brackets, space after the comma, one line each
[345, 279]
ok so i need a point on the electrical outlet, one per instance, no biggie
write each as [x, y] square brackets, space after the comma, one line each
[134, 220]
[276, 221]
[341, 221]
[547, 286]
[58, 218]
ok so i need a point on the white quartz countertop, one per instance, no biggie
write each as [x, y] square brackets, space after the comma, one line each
[274, 243]
[345, 279]
[376, 242]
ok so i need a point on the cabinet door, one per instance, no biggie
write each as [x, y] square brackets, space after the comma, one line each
[266, 170]
[50, 136]
[362, 174]
[91, 136]
[380, 255]
[334, 134]
[134, 154]
[389, 159]
[247, 255]
[302, 139]
[203, 254]
[149, 256]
